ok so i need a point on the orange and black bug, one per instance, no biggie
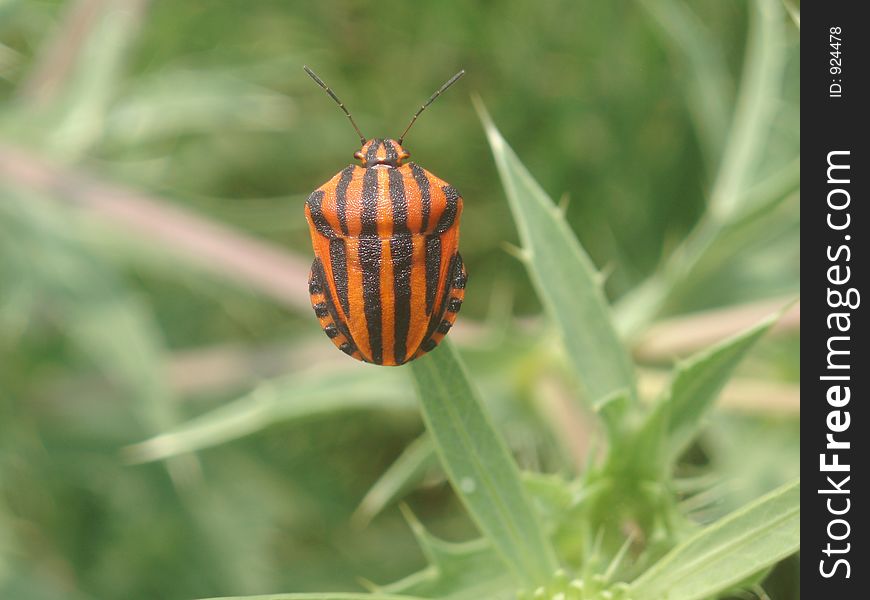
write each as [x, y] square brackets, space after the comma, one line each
[387, 279]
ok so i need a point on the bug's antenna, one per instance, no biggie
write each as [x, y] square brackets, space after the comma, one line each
[332, 95]
[431, 99]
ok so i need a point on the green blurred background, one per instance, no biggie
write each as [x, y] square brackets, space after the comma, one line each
[117, 323]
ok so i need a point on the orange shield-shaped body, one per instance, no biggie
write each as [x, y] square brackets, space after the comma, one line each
[387, 279]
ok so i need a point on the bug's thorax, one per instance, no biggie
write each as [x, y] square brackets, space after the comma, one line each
[381, 154]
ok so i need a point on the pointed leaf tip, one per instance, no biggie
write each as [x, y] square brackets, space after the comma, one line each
[564, 277]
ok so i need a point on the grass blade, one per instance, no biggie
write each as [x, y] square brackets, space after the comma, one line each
[406, 472]
[760, 91]
[696, 385]
[707, 87]
[758, 98]
[458, 571]
[293, 397]
[723, 555]
[566, 280]
[480, 467]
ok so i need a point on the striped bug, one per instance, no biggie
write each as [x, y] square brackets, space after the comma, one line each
[387, 279]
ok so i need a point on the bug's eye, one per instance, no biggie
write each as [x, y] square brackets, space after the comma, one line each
[358, 155]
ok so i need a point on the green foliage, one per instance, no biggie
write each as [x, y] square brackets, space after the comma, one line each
[728, 552]
[633, 482]
[566, 281]
[696, 384]
[177, 432]
[480, 466]
[403, 475]
[461, 571]
[738, 171]
[293, 398]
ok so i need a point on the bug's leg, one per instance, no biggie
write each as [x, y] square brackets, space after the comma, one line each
[334, 328]
[452, 304]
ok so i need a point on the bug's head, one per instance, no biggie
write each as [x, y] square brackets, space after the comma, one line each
[387, 153]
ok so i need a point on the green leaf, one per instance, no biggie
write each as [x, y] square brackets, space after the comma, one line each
[748, 137]
[553, 497]
[458, 571]
[696, 385]
[407, 471]
[769, 193]
[566, 280]
[794, 12]
[728, 552]
[760, 87]
[707, 87]
[614, 414]
[288, 398]
[479, 465]
[98, 73]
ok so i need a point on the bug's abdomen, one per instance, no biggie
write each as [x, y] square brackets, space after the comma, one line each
[387, 244]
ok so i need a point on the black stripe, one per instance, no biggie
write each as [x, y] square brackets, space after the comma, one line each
[314, 287]
[392, 156]
[401, 253]
[338, 261]
[341, 196]
[425, 198]
[460, 278]
[315, 206]
[370, 263]
[436, 318]
[369, 216]
[372, 152]
[449, 214]
[400, 203]
[402, 250]
[319, 275]
[455, 261]
[433, 267]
